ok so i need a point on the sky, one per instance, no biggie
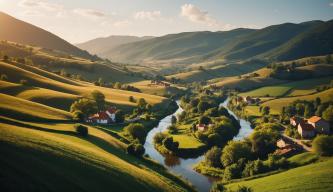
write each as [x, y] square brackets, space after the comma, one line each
[81, 20]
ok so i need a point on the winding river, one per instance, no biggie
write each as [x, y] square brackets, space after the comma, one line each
[184, 167]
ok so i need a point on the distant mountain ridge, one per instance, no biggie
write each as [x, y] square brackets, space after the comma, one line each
[277, 42]
[101, 45]
[22, 32]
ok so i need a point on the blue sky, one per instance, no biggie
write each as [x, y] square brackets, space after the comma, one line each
[80, 20]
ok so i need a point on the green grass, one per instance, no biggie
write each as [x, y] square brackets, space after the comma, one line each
[303, 158]
[252, 110]
[313, 177]
[55, 159]
[277, 104]
[296, 88]
[38, 78]
[27, 110]
[274, 91]
[187, 142]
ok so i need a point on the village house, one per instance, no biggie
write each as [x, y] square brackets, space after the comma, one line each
[286, 147]
[249, 100]
[103, 117]
[203, 127]
[294, 121]
[306, 130]
[320, 125]
[158, 82]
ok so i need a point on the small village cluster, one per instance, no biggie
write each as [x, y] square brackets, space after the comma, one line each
[249, 100]
[103, 117]
[308, 128]
[160, 83]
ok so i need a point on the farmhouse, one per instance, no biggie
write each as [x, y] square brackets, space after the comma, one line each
[202, 127]
[320, 125]
[294, 121]
[103, 117]
[306, 130]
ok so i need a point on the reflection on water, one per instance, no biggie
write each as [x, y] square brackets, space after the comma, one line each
[171, 160]
[181, 166]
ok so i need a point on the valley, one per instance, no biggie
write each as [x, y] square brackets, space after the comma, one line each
[245, 109]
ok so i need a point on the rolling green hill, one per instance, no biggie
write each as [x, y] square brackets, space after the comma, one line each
[25, 33]
[279, 42]
[313, 177]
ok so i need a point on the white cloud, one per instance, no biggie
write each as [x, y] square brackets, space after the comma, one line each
[150, 15]
[41, 4]
[89, 13]
[122, 23]
[331, 4]
[194, 14]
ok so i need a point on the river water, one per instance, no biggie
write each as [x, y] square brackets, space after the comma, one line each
[182, 166]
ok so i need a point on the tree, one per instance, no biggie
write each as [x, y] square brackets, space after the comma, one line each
[131, 99]
[81, 130]
[263, 142]
[218, 187]
[78, 116]
[158, 138]
[119, 116]
[135, 149]
[231, 172]
[265, 110]
[181, 116]
[84, 105]
[142, 104]
[244, 189]
[204, 120]
[5, 58]
[323, 145]
[213, 157]
[173, 119]
[234, 151]
[3, 77]
[203, 106]
[99, 98]
[172, 129]
[300, 109]
[253, 168]
[136, 131]
[328, 114]
[170, 144]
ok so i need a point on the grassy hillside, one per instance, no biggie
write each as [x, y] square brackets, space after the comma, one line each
[147, 87]
[313, 177]
[55, 159]
[101, 45]
[25, 33]
[27, 110]
[69, 89]
[296, 88]
[278, 42]
[53, 60]
[277, 104]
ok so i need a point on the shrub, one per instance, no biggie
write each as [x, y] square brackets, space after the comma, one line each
[253, 168]
[81, 130]
[323, 145]
[231, 172]
[135, 149]
[244, 189]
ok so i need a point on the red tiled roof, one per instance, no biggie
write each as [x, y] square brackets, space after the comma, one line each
[314, 119]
